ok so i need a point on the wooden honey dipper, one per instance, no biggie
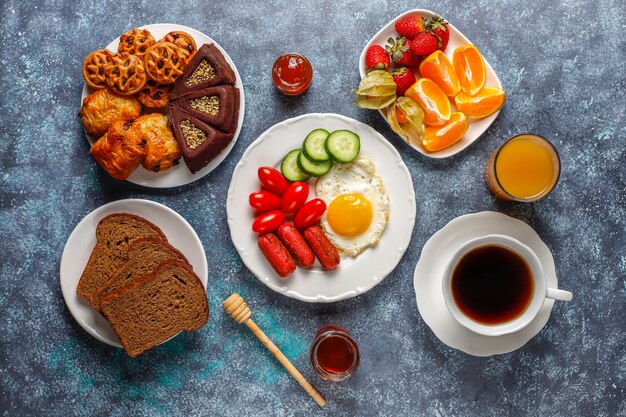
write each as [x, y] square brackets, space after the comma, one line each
[237, 308]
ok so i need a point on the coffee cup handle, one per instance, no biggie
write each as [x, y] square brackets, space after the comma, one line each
[556, 294]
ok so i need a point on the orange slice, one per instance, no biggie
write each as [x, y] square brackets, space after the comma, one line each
[438, 68]
[488, 101]
[469, 67]
[437, 138]
[432, 100]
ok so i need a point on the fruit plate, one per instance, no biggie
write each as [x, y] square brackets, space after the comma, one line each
[353, 276]
[82, 240]
[476, 127]
[179, 174]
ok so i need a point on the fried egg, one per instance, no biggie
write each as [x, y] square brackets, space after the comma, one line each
[357, 205]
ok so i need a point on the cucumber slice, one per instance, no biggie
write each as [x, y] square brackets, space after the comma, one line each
[290, 169]
[343, 145]
[313, 146]
[312, 168]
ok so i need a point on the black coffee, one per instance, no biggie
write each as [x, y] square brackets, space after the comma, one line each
[492, 284]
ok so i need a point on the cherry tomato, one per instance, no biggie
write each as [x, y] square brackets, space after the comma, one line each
[295, 197]
[310, 213]
[272, 180]
[268, 222]
[263, 201]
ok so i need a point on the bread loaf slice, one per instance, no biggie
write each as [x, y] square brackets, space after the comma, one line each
[114, 234]
[144, 256]
[156, 307]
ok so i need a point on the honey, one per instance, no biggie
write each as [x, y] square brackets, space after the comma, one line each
[525, 168]
[292, 74]
[334, 353]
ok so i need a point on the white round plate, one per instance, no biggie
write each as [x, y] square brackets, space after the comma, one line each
[429, 274]
[476, 127]
[83, 239]
[179, 174]
[353, 276]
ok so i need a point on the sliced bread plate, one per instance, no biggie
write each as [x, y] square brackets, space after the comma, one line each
[179, 174]
[82, 240]
[353, 276]
[476, 127]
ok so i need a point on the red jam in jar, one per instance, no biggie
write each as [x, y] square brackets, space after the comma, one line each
[292, 74]
[334, 353]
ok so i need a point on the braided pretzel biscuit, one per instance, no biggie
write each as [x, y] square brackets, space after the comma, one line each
[93, 68]
[136, 42]
[153, 95]
[183, 40]
[125, 74]
[165, 62]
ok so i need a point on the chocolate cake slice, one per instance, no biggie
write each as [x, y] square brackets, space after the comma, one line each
[207, 68]
[216, 106]
[199, 142]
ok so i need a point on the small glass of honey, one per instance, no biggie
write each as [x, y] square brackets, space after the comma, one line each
[292, 74]
[525, 168]
[334, 353]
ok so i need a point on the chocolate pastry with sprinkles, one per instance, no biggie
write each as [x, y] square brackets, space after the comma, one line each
[216, 106]
[207, 68]
[199, 142]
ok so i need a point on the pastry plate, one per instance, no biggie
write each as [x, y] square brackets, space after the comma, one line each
[429, 273]
[179, 174]
[476, 127]
[354, 276]
[83, 239]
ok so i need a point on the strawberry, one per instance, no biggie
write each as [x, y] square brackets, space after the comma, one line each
[400, 51]
[439, 27]
[409, 26]
[404, 78]
[376, 58]
[425, 44]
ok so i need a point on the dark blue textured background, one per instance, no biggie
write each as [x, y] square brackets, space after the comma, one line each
[563, 67]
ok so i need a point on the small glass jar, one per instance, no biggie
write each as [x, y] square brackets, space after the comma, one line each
[334, 353]
[292, 74]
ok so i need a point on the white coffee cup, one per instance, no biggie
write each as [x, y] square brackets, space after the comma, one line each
[541, 291]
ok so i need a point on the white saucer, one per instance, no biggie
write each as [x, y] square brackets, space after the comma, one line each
[81, 242]
[429, 273]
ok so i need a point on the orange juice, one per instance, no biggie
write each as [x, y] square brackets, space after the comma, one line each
[525, 168]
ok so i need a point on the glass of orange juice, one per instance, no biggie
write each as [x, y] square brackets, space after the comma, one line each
[525, 168]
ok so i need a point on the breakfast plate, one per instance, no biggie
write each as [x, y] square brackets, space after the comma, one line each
[353, 276]
[476, 127]
[179, 175]
[83, 238]
[430, 270]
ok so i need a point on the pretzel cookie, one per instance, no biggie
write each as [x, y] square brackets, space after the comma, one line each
[153, 95]
[125, 74]
[184, 41]
[136, 42]
[93, 68]
[165, 62]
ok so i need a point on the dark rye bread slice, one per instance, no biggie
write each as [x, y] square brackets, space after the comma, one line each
[156, 307]
[144, 256]
[216, 106]
[199, 142]
[114, 234]
[207, 68]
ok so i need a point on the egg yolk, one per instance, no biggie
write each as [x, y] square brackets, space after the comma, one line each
[349, 214]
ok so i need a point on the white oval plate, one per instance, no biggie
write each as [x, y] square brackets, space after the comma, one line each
[81, 242]
[179, 174]
[476, 127]
[429, 272]
[354, 276]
